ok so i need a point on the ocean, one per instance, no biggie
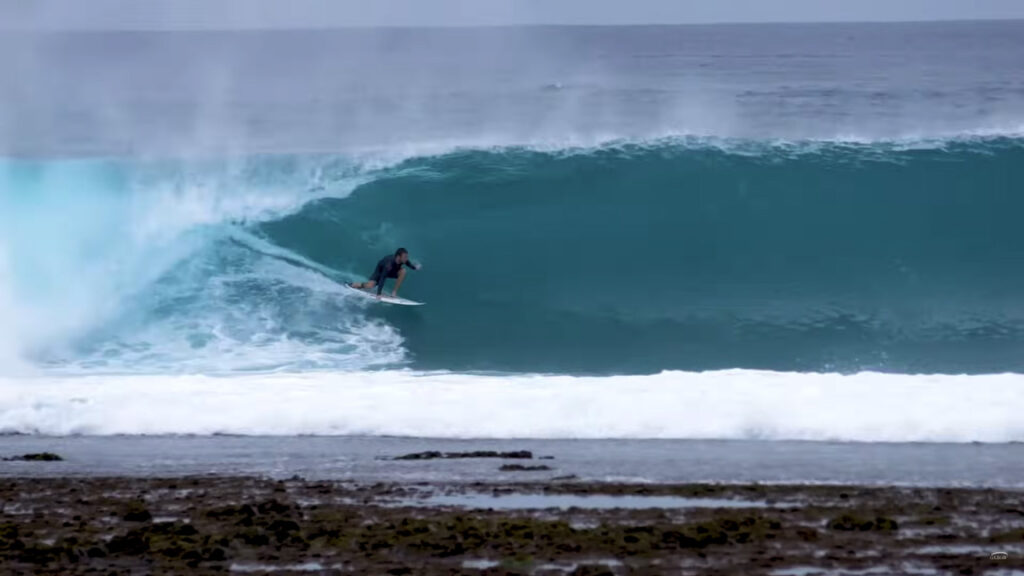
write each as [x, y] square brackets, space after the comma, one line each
[750, 232]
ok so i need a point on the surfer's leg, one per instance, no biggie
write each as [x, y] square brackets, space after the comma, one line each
[378, 272]
[372, 282]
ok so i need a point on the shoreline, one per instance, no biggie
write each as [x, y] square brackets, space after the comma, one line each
[302, 505]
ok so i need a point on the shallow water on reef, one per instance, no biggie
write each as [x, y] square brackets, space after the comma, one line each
[592, 502]
[646, 461]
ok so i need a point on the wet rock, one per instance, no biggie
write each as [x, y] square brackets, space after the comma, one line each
[433, 455]
[885, 524]
[273, 507]
[133, 543]
[225, 512]
[96, 552]
[136, 512]
[8, 535]
[807, 534]
[522, 468]
[850, 522]
[520, 454]
[253, 537]
[40, 554]
[1016, 535]
[36, 457]
[284, 531]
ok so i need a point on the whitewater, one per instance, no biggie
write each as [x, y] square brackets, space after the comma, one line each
[735, 404]
[835, 255]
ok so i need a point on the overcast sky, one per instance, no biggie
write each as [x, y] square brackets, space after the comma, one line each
[178, 14]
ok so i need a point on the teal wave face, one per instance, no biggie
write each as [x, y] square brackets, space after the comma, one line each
[674, 255]
[641, 259]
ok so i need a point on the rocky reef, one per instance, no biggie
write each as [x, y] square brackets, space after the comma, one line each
[214, 524]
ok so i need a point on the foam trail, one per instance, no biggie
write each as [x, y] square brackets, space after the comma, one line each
[80, 237]
[730, 404]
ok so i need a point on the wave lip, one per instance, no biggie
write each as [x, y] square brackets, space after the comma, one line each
[732, 404]
[386, 158]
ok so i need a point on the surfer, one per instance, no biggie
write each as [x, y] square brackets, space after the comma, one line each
[392, 266]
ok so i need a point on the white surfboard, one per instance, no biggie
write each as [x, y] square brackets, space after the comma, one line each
[372, 295]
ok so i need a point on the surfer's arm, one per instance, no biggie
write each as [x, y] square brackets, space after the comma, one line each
[398, 282]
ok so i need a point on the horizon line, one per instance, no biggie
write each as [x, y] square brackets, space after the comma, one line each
[326, 28]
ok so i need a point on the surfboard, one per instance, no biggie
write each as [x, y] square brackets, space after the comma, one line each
[372, 295]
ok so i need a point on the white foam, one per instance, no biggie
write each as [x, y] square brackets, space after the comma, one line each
[731, 404]
[233, 327]
[79, 238]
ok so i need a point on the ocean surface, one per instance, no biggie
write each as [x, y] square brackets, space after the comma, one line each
[369, 459]
[806, 232]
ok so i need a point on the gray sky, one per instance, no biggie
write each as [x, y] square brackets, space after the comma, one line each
[176, 14]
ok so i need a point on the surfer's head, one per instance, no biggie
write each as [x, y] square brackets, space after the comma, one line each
[402, 255]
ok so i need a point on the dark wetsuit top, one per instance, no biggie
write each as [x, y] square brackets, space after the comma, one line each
[387, 268]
